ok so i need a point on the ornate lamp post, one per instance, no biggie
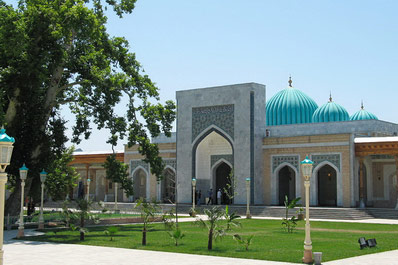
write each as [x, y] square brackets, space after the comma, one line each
[23, 173]
[193, 193]
[306, 168]
[6, 147]
[88, 189]
[248, 215]
[43, 176]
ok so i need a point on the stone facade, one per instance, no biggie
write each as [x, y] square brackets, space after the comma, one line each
[223, 128]
[236, 113]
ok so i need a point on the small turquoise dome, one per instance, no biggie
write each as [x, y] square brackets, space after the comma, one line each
[330, 112]
[363, 114]
[289, 106]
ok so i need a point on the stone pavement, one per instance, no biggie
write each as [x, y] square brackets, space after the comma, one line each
[25, 252]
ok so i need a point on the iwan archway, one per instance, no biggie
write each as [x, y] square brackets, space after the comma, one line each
[140, 183]
[327, 186]
[287, 184]
[222, 178]
[212, 161]
[168, 185]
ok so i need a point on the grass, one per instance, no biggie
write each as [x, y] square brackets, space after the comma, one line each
[270, 242]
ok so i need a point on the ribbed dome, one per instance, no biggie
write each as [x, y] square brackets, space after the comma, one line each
[289, 106]
[363, 114]
[330, 112]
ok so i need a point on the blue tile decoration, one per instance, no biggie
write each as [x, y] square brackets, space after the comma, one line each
[382, 157]
[136, 163]
[170, 162]
[215, 158]
[332, 158]
[292, 160]
[221, 116]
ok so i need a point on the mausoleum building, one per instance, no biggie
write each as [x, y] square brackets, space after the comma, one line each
[230, 132]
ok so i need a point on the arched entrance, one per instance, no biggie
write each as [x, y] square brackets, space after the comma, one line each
[223, 183]
[168, 186]
[327, 186]
[210, 151]
[365, 184]
[287, 184]
[139, 184]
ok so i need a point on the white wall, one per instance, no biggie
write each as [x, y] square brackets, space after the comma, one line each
[213, 144]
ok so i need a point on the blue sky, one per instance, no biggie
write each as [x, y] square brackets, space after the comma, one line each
[348, 48]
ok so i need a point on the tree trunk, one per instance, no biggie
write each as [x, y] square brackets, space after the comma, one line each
[210, 242]
[144, 237]
[81, 227]
[13, 203]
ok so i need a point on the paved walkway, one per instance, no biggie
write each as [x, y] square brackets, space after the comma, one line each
[18, 252]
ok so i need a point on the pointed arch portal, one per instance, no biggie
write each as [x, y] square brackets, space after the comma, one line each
[168, 185]
[287, 184]
[223, 182]
[139, 183]
[327, 186]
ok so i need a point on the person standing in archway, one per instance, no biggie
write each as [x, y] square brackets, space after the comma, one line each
[219, 196]
[210, 195]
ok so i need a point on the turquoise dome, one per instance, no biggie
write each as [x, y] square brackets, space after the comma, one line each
[363, 114]
[289, 106]
[330, 112]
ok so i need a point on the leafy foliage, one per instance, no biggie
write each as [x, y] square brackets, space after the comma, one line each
[68, 216]
[245, 242]
[176, 234]
[117, 171]
[58, 54]
[148, 211]
[63, 177]
[230, 186]
[83, 213]
[168, 220]
[173, 230]
[290, 223]
[111, 231]
[232, 218]
[215, 225]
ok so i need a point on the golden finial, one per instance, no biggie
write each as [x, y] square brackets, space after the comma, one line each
[290, 81]
[330, 97]
[361, 104]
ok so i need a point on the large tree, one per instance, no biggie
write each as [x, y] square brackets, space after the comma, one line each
[58, 52]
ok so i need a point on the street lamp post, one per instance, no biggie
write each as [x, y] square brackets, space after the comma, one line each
[88, 189]
[248, 215]
[193, 194]
[306, 167]
[43, 176]
[23, 172]
[6, 147]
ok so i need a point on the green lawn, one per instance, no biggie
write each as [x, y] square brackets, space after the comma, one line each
[271, 242]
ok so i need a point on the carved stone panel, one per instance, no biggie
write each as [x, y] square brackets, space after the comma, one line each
[292, 160]
[222, 116]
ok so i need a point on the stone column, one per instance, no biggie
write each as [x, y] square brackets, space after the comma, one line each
[159, 191]
[361, 185]
[396, 178]
[85, 183]
[3, 180]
